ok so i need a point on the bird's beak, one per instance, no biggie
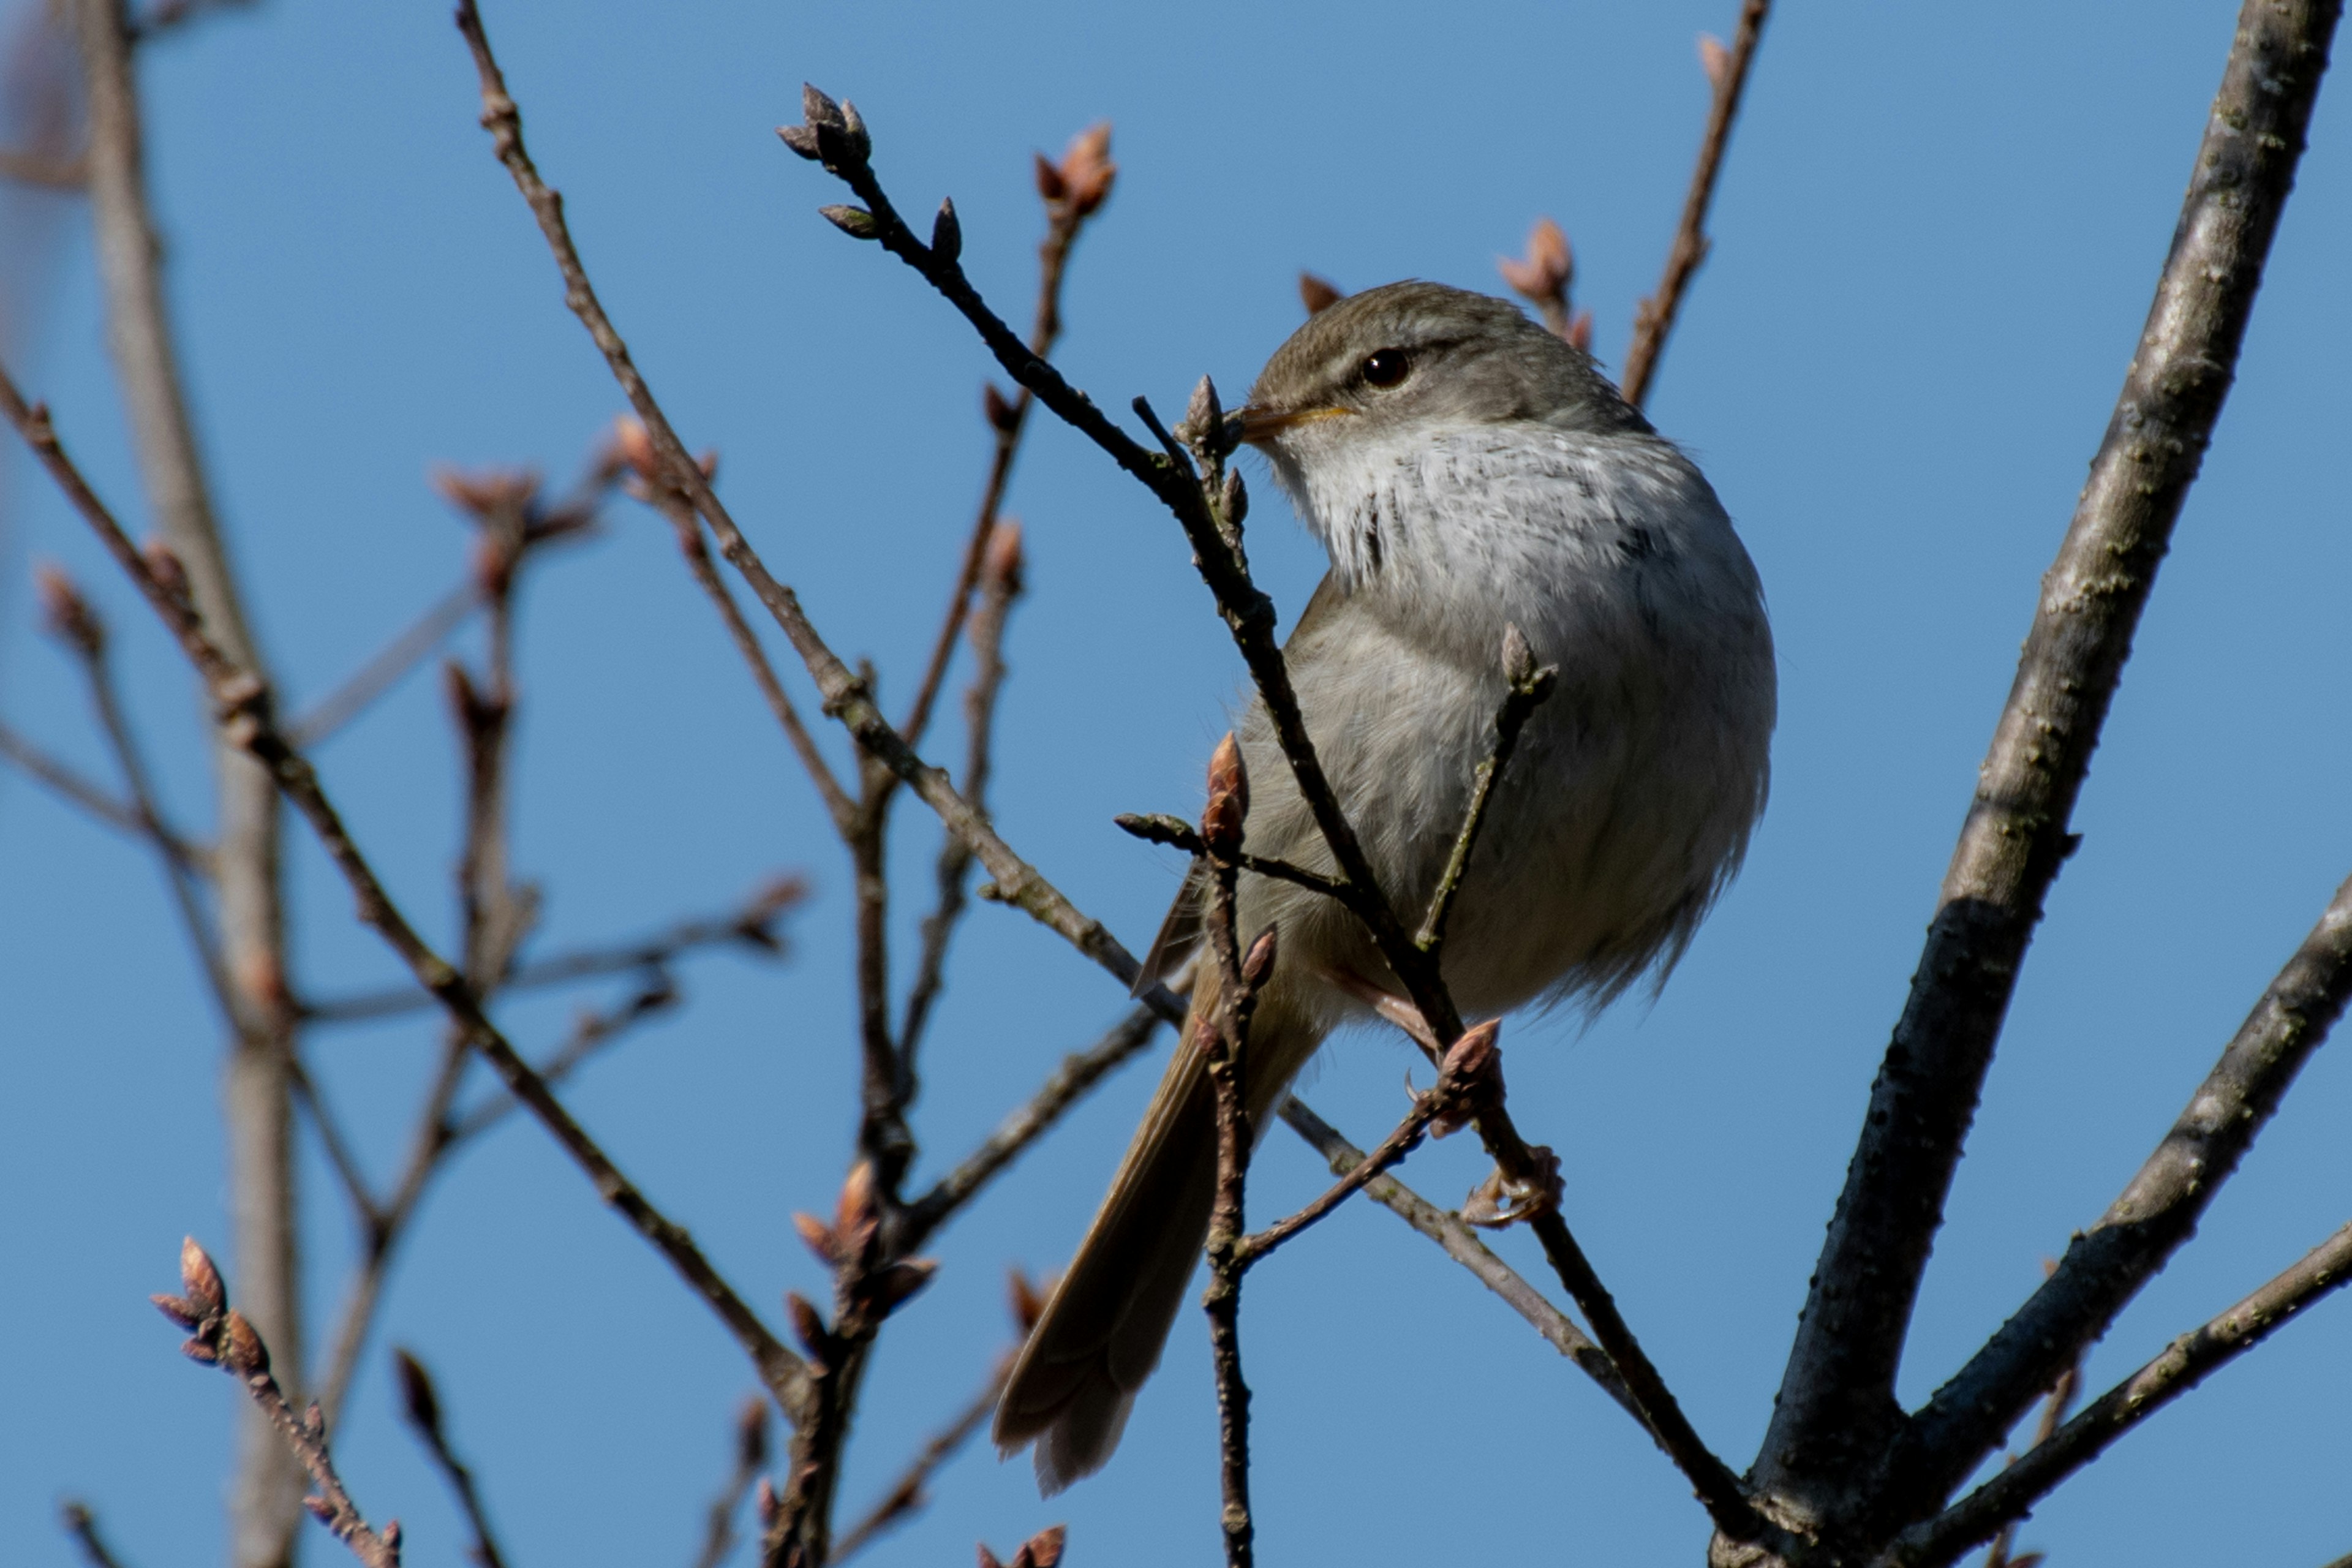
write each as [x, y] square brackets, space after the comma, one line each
[1259, 425]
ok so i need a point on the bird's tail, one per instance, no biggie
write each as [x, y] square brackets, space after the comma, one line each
[1101, 1332]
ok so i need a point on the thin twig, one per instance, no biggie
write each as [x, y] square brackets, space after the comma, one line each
[750, 1458]
[674, 505]
[2056, 1405]
[1073, 192]
[1653, 318]
[341, 1155]
[421, 1404]
[1223, 1041]
[1078, 1073]
[82, 630]
[384, 671]
[219, 1335]
[243, 700]
[1836, 1410]
[1526, 688]
[750, 925]
[907, 1494]
[1001, 585]
[1461, 1243]
[80, 1522]
[92, 797]
[2186, 1363]
[592, 1032]
[1470, 1074]
[2105, 1267]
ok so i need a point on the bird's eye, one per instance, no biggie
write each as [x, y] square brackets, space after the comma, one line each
[1386, 368]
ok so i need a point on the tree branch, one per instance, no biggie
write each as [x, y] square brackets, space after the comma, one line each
[2185, 1363]
[907, 1494]
[421, 1404]
[1836, 1409]
[80, 1522]
[751, 925]
[1653, 319]
[77, 790]
[384, 671]
[2106, 1266]
[1070, 1083]
[249, 887]
[219, 1335]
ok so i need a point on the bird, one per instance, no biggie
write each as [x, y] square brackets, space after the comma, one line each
[1468, 472]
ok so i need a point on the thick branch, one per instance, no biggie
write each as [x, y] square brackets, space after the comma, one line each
[1654, 317]
[1836, 1406]
[2106, 1266]
[2186, 1363]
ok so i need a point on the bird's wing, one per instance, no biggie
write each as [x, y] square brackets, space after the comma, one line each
[1180, 933]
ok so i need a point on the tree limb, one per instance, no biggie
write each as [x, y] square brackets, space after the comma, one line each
[1836, 1410]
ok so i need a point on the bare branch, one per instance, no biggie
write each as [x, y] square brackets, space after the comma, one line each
[1001, 585]
[678, 508]
[751, 925]
[249, 887]
[1528, 685]
[219, 1335]
[906, 1495]
[2105, 1267]
[2185, 1363]
[243, 701]
[1070, 1083]
[1837, 1407]
[73, 787]
[750, 1458]
[1461, 1084]
[384, 671]
[421, 1405]
[1726, 72]
[592, 1033]
[80, 1524]
[1462, 1244]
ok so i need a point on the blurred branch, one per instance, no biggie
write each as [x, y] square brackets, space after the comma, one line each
[751, 925]
[247, 838]
[1653, 318]
[1836, 1410]
[74, 623]
[44, 171]
[2105, 1267]
[750, 1458]
[75, 1516]
[421, 1405]
[381, 673]
[76, 789]
[243, 700]
[2186, 1363]
[169, 16]
[1070, 1082]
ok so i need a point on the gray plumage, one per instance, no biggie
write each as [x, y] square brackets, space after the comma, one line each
[1465, 470]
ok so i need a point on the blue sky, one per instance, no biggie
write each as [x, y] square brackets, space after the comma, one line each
[1935, 243]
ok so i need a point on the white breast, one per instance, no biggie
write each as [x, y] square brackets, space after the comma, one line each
[1634, 790]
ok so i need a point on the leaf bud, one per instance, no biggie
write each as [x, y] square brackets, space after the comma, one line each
[200, 1279]
[855, 222]
[947, 233]
[1228, 803]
